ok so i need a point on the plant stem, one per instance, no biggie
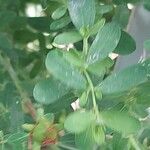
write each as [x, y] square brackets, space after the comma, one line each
[85, 46]
[5, 62]
[93, 94]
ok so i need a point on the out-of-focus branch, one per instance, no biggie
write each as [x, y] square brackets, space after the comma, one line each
[25, 100]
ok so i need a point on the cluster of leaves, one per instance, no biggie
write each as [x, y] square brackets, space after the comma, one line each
[113, 105]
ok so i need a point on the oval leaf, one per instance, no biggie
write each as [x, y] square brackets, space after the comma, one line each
[59, 24]
[59, 12]
[124, 80]
[121, 122]
[78, 122]
[82, 12]
[68, 37]
[49, 91]
[106, 41]
[126, 44]
[64, 71]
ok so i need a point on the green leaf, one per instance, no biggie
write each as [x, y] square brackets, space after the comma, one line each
[40, 130]
[59, 12]
[79, 121]
[126, 44]
[40, 23]
[62, 70]
[24, 36]
[68, 37]
[48, 91]
[147, 45]
[99, 135]
[121, 16]
[106, 41]
[83, 99]
[82, 12]
[96, 27]
[99, 68]
[60, 23]
[61, 104]
[74, 57]
[103, 9]
[121, 122]
[124, 80]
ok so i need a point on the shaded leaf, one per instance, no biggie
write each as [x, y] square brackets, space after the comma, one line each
[126, 44]
[40, 23]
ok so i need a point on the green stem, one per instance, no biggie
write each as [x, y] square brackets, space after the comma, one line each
[8, 67]
[134, 143]
[93, 94]
[85, 46]
[5, 62]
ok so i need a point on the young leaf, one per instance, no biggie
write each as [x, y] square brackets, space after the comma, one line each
[59, 12]
[49, 91]
[68, 37]
[124, 80]
[121, 122]
[74, 57]
[78, 122]
[40, 130]
[62, 70]
[98, 134]
[83, 99]
[126, 44]
[100, 67]
[59, 24]
[106, 41]
[96, 27]
[82, 12]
